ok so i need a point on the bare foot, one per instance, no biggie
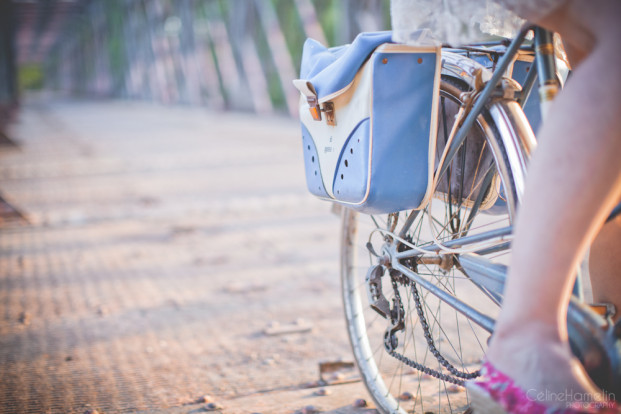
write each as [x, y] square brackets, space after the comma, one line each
[543, 366]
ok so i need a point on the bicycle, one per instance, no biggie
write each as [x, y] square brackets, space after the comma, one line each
[421, 288]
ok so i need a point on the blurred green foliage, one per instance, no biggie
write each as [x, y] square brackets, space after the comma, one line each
[330, 18]
[292, 28]
[30, 77]
[277, 95]
[96, 48]
[116, 44]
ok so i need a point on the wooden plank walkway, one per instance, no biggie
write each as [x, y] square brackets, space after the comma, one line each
[161, 243]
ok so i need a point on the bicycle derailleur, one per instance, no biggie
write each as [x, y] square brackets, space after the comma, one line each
[394, 312]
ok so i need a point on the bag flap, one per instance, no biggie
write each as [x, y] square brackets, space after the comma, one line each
[330, 70]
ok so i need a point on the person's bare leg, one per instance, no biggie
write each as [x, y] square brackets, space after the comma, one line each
[574, 181]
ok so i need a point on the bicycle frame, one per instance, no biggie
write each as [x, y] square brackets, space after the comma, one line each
[587, 329]
[485, 95]
[589, 332]
[489, 277]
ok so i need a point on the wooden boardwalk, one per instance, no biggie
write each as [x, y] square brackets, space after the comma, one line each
[160, 244]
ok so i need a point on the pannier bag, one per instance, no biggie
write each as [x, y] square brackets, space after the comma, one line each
[369, 118]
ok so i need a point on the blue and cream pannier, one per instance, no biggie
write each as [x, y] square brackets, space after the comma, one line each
[369, 117]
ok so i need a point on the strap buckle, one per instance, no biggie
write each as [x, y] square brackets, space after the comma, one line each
[328, 108]
[315, 110]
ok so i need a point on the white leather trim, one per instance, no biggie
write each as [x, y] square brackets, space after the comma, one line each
[338, 93]
[350, 109]
[305, 87]
[433, 129]
[402, 48]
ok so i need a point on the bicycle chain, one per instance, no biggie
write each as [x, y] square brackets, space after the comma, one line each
[458, 376]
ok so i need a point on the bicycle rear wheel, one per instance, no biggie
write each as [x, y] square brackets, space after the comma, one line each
[419, 368]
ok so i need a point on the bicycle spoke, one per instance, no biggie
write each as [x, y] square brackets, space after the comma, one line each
[435, 337]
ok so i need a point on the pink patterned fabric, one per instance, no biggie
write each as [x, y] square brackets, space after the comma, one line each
[514, 400]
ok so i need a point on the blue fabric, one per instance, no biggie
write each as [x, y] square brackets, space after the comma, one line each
[332, 69]
[401, 128]
[350, 180]
[311, 165]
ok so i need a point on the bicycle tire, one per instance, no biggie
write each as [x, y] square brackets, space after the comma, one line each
[394, 386]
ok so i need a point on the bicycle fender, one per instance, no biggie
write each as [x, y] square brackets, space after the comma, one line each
[515, 130]
[463, 68]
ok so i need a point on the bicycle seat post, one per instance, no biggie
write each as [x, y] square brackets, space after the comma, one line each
[546, 68]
